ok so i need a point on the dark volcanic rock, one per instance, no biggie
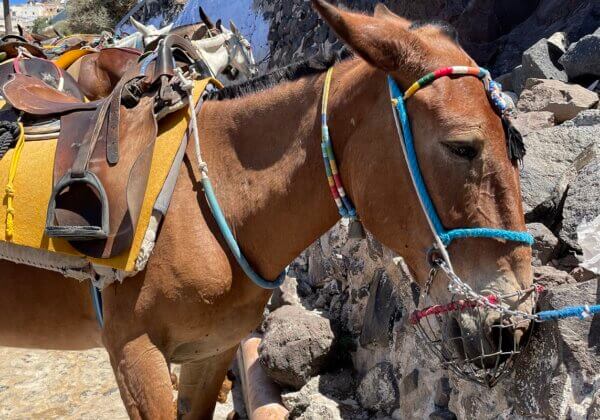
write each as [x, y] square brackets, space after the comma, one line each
[538, 64]
[545, 243]
[563, 100]
[582, 202]
[296, 345]
[378, 389]
[549, 164]
[508, 27]
[583, 57]
[562, 355]
[286, 294]
[526, 122]
[382, 309]
[549, 276]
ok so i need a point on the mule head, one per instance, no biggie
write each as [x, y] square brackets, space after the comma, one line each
[240, 50]
[462, 153]
[29, 37]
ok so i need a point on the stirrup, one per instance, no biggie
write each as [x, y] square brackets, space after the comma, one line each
[78, 233]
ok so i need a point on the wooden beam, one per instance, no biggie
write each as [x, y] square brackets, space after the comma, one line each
[7, 17]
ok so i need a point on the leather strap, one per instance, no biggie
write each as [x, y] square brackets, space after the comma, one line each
[112, 147]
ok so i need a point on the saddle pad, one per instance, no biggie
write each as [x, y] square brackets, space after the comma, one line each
[68, 58]
[33, 188]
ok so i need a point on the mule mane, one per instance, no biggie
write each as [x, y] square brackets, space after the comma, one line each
[314, 65]
[446, 28]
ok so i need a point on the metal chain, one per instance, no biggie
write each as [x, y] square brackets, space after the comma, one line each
[457, 286]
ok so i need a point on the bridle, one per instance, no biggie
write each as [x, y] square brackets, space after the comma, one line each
[236, 42]
[438, 257]
[442, 236]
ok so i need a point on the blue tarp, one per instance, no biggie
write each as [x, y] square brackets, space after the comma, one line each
[249, 21]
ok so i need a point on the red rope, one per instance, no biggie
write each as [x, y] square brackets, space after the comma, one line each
[461, 305]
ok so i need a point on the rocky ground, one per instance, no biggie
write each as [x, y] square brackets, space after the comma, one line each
[42, 384]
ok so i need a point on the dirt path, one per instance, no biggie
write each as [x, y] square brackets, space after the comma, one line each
[40, 384]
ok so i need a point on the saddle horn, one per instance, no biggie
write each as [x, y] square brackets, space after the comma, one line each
[205, 19]
[165, 64]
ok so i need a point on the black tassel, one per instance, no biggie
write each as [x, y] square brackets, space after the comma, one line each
[514, 140]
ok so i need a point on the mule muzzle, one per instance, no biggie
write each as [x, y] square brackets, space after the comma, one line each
[477, 343]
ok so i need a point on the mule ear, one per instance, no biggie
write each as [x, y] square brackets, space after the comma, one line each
[383, 43]
[382, 12]
[165, 30]
[233, 28]
[205, 19]
[219, 25]
[20, 28]
[200, 33]
[141, 28]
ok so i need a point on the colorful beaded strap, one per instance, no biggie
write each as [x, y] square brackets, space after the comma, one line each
[344, 205]
[478, 72]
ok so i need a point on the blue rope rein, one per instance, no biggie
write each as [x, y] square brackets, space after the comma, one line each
[232, 243]
[507, 235]
[581, 312]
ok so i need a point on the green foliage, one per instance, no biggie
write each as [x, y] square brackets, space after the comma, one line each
[93, 16]
[63, 27]
[39, 24]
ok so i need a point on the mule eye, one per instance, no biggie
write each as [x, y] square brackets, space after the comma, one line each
[462, 150]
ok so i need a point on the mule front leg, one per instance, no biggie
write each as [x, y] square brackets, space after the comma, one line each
[144, 379]
[200, 383]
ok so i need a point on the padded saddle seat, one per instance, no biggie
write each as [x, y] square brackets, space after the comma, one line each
[34, 97]
[43, 70]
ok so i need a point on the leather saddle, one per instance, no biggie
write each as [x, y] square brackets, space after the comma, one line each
[105, 147]
[10, 44]
[44, 73]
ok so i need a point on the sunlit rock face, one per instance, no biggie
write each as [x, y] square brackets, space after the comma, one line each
[366, 291]
[510, 26]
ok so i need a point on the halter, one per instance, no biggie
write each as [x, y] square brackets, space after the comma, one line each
[232, 45]
[443, 345]
[442, 236]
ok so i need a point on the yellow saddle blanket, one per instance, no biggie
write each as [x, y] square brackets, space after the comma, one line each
[69, 57]
[33, 183]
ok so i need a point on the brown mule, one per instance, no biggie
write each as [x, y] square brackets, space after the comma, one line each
[193, 304]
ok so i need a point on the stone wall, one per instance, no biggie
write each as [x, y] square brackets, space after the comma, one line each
[511, 26]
